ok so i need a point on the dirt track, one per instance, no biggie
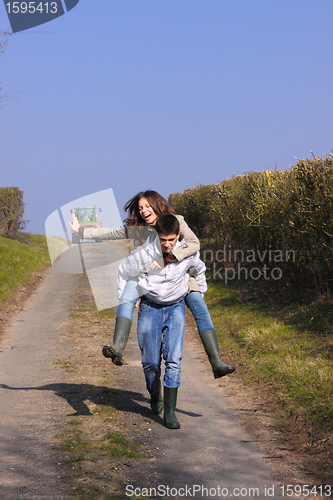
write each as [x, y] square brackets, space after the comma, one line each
[216, 447]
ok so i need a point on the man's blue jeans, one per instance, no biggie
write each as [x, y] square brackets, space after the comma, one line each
[161, 333]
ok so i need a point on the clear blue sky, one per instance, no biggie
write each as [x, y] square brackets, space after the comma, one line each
[162, 94]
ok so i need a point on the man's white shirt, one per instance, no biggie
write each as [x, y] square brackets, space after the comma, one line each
[161, 284]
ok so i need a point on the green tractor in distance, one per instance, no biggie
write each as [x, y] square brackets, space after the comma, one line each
[87, 217]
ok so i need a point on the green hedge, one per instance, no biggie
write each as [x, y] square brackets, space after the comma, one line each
[11, 211]
[286, 216]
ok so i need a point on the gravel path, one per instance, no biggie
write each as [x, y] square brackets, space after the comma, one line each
[211, 456]
[31, 417]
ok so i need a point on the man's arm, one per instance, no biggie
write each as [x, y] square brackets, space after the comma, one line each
[128, 269]
[197, 271]
[136, 263]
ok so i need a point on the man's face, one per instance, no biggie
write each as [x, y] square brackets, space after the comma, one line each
[168, 242]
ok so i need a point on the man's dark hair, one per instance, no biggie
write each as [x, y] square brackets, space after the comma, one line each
[167, 224]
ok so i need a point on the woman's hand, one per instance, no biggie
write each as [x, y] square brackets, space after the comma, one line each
[157, 264]
[137, 303]
[75, 225]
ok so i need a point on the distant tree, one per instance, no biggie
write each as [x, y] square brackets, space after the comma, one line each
[3, 41]
[11, 212]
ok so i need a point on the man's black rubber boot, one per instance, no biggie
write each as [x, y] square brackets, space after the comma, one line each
[209, 341]
[121, 334]
[156, 399]
[170, 401]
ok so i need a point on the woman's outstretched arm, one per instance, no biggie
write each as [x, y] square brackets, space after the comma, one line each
[100, 233]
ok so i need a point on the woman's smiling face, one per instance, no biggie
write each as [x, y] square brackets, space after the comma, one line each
[146, 211]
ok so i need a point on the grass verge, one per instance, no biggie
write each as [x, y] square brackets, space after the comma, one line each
[19, 259]
[284, 344]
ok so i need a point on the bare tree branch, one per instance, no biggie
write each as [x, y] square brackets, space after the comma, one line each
[3, 41]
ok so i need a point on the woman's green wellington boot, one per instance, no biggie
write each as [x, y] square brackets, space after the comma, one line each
[170, 401]
[156, 399]
[209, 341]
[121, 334]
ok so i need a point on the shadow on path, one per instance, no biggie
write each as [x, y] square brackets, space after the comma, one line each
[77, 394]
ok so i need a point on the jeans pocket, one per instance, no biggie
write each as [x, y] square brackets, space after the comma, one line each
[144, 306]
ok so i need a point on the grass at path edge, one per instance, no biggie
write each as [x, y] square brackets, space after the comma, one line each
[284, 345]
[19, 259]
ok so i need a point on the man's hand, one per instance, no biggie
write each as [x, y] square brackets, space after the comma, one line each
[75, 225]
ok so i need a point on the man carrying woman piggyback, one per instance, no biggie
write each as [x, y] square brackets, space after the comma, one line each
[144, 210]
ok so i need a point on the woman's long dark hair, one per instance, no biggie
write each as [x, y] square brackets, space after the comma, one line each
[156, 201]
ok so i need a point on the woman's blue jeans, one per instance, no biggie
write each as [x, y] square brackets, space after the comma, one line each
[194, 301]
[161, 333]
[130, 295]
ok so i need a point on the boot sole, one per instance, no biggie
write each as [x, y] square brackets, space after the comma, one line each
[172, 426]
[109, 352]
[226, 371]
